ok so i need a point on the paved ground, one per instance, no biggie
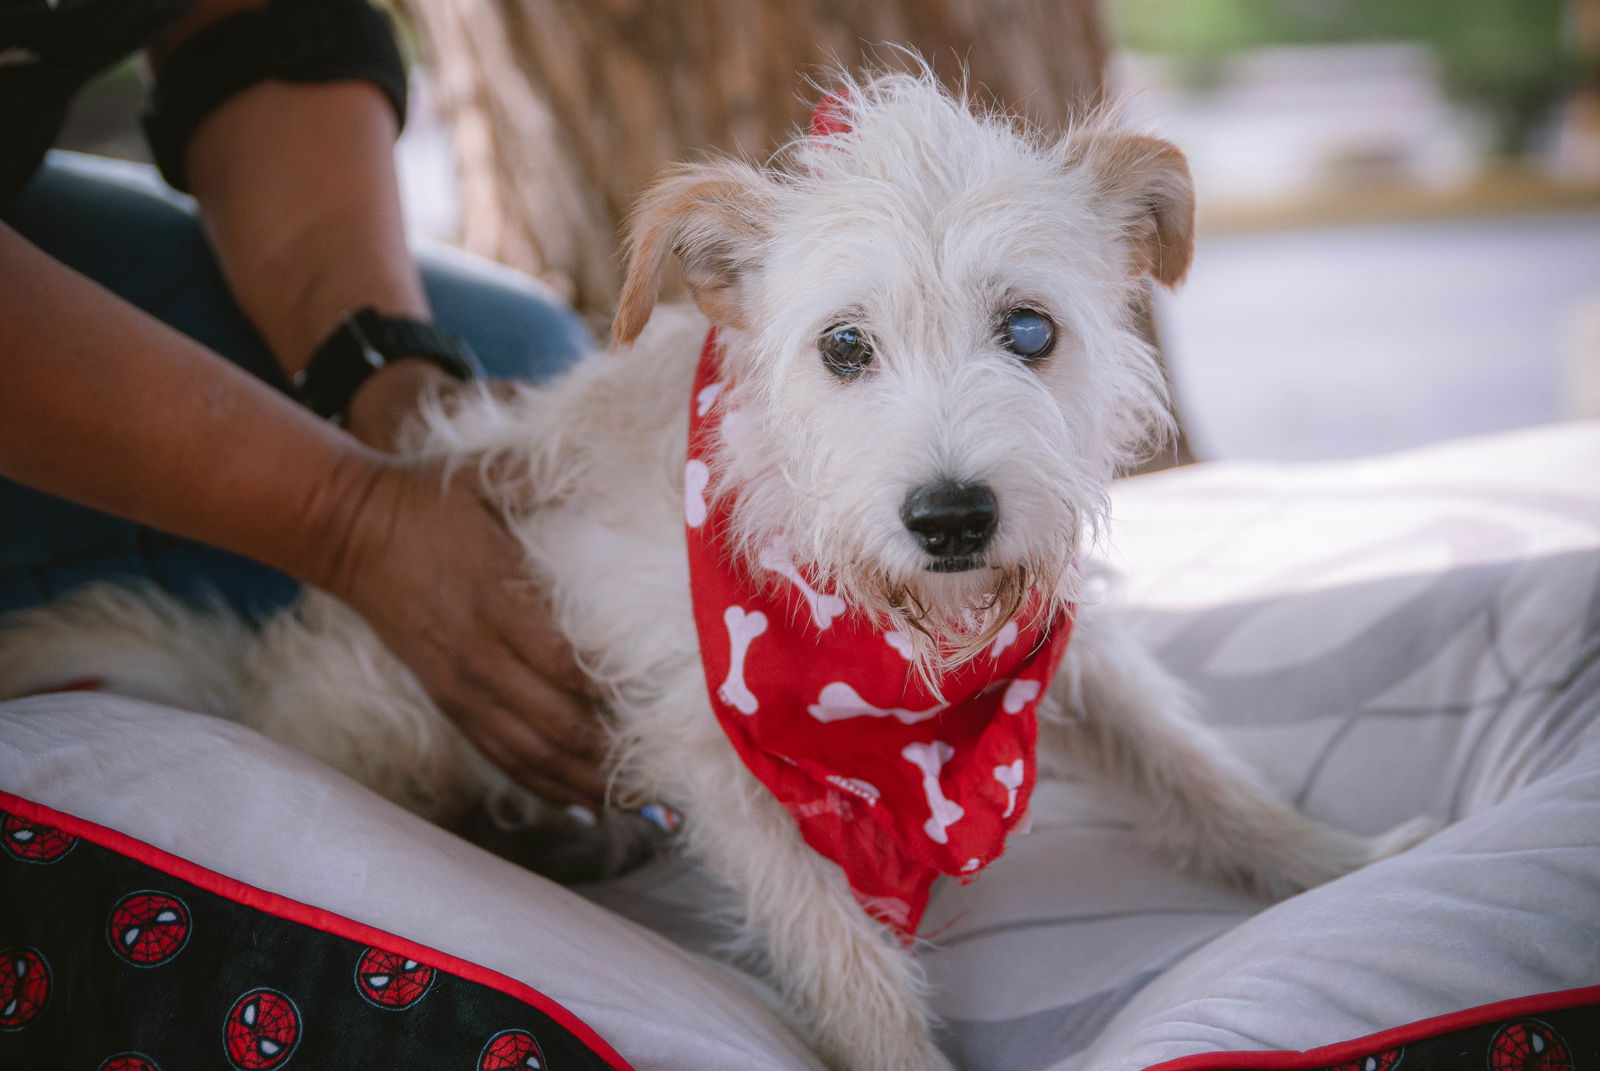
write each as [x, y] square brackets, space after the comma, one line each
[1333, 343]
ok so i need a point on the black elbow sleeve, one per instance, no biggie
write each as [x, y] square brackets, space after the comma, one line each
[287, 40]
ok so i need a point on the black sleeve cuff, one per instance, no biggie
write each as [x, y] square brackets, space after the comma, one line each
[287, 40]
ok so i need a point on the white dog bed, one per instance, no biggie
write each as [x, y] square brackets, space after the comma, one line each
[1388, 637]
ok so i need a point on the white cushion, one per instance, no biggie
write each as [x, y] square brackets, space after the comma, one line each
[232, 801]
[1411, 634]
[1389, 637]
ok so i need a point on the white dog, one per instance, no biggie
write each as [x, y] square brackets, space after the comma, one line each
[928, 373]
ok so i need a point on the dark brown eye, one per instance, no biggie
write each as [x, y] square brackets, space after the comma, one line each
[846, 351]
[1028, 333]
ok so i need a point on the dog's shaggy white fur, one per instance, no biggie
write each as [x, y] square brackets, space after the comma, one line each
[921, 227]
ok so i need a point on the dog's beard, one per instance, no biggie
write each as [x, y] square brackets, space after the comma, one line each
[949, 618]
[953, 617]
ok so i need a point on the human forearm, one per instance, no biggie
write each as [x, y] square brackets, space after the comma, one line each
[298, 195]
[107, 406]
[101, 404]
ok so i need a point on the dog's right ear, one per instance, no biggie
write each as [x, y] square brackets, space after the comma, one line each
[713, 217]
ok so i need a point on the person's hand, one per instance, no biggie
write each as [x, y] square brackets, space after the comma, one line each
[382, 404]
[440, 580]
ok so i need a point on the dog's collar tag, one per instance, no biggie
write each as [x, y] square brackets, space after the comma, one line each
[895, 783]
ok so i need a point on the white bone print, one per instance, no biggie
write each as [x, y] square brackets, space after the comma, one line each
[1019, 693]
[901, 643]
[892, 908]
[838, 701]
[1007, 636]
[742, 629]
[855, 786]
[824, 608]
[1010, 776]
[930, 759]
[707, 398]
[696, 478]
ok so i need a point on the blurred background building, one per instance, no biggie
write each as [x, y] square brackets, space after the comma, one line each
[1400, 202]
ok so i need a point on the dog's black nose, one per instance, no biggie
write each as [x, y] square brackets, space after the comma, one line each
[951, 520]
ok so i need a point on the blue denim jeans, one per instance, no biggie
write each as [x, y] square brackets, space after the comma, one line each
[115, 223]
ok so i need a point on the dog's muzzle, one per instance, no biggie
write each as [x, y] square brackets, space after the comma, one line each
[952, 522]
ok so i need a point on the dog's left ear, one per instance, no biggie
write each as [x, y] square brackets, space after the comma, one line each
[713, 217]
[1145, 182]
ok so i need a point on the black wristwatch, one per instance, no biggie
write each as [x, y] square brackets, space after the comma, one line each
[364, 342]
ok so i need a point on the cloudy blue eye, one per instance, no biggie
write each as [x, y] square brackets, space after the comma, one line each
[846, 351]
[1028, 333]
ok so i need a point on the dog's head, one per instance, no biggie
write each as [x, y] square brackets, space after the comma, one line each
[928, 321]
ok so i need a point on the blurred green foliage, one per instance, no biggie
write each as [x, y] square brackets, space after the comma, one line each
[1513, 59]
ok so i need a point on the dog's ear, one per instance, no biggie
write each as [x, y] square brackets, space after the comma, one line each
[713, 217]
[1146, 183]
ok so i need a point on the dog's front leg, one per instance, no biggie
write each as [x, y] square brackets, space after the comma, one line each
[1116, 710]
[858, 993]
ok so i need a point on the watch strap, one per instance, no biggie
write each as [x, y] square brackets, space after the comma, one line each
[366, 341]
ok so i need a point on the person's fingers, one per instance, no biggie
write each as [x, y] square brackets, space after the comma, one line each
[564, 725]
[585, 782]
[449, 591]
[564, 671]
[533, 640]
[522, 622]
[537, 780]
[533, 759]
[566, 719]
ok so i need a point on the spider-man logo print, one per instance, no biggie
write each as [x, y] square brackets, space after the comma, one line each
[390, 980]
[1378, 1061]
[148, 928]
[31, 842]
[512, 1049]
[261, 1030]
[1528, 1045]
[128, 1061]
[24, 987]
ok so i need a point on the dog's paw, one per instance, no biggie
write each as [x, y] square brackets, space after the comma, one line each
[853, 1038]
[872, 1015]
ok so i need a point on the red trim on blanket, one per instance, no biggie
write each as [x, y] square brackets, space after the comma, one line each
[80, 684]
[1343, 1051]
[305, 914]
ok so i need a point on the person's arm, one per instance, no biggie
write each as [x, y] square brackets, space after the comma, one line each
[114, 409]
[299, 198]
[298, 194]
[104, 405]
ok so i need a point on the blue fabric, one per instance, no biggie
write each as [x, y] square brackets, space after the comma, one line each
[115, 223]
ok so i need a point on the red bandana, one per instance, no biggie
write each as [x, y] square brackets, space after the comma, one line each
[884, 777]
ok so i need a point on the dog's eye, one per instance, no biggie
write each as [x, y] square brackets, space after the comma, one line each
[1028, 333]
[846, 351]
